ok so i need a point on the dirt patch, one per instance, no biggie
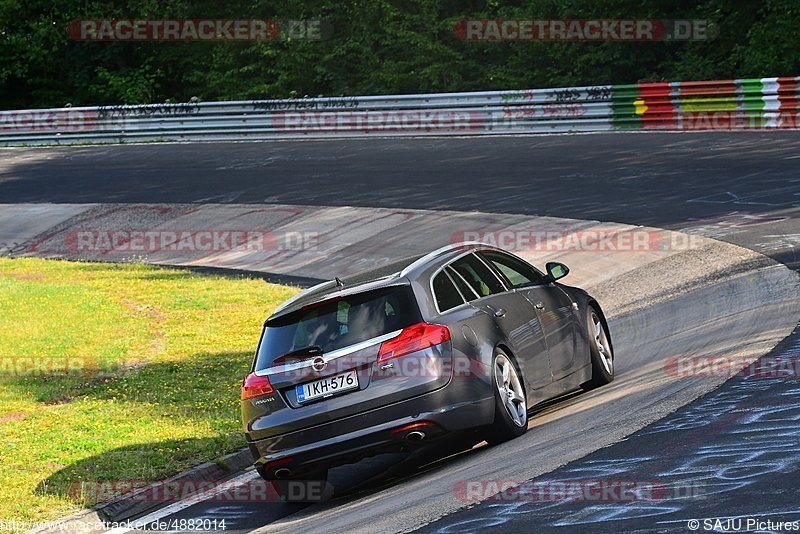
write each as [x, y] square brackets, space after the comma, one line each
[12, 416]
[24, 276]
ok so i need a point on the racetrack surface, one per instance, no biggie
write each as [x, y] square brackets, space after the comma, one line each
[730, 456]
[668, 180]
[655, 178]
[738, 187]
[658, 310]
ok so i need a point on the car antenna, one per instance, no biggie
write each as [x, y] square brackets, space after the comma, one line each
[338, 281]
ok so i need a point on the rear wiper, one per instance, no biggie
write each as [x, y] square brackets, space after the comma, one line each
[300, 354]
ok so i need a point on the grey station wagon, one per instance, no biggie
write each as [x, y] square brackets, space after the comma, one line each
[466, 338]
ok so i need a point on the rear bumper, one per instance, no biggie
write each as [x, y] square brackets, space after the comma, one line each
[364, 434]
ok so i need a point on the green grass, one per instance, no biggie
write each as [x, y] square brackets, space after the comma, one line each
[163, 354]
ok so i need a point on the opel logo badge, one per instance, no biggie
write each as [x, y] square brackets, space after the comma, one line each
[319, 364]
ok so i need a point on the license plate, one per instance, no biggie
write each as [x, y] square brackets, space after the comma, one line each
[327, 386]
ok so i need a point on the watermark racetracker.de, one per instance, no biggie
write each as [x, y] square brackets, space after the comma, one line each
[44, 366]
[600, 30]
[191, 491]
[548, 491]
[595, 239]
[188, 240]
[203, 30]
[730, 365]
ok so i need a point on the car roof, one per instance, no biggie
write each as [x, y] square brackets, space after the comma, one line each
[398, 272]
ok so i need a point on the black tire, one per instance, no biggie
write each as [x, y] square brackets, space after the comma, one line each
[505, 426]
[311, 487]
[601, 351]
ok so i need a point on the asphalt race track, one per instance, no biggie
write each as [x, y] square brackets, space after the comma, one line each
[670, 180]
[662, 179]
[743, 188]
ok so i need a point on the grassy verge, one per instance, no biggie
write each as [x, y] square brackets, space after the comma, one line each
[138, 375]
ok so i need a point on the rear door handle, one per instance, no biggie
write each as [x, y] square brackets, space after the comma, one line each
[497, 312]
[539, 305]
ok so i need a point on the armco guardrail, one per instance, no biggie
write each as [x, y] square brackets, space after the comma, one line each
[732, 104]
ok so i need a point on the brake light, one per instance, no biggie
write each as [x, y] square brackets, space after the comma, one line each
[416, 337]
[255, 386]
[320, 303]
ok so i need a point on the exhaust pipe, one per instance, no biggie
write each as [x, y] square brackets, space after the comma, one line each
[414, 436]
[283, 472]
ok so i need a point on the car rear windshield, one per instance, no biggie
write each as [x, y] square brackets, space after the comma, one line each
[336, 323]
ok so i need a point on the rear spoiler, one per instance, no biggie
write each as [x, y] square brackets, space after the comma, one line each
[345, 291]
[324, 285]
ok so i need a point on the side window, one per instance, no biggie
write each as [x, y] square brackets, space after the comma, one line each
[445, 293]
[482, 280]
[516, 271]
[462, 286]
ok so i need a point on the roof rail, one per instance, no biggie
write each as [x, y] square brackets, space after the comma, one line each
[431, 255]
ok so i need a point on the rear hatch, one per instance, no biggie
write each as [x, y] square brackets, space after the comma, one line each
[345, 355]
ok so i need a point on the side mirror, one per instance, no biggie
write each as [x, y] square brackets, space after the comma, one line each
[556, 271]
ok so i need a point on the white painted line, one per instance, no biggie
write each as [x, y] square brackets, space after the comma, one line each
[176, 507]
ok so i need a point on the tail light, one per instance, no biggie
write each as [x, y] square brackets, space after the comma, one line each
[255, 386]
[413, 338]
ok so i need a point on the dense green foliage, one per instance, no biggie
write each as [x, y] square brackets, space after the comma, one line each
[377, 47]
